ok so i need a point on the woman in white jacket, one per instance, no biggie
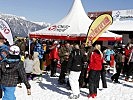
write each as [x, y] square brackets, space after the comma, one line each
[36, 73]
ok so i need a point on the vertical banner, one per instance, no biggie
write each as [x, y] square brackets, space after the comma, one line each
[5, 31]
[98, 26]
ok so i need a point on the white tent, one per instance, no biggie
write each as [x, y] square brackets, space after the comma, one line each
[72, 27]
[75, 24]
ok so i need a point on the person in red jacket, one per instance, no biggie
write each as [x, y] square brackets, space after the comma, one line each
[127, 52]
[54, 57]
[94, 68]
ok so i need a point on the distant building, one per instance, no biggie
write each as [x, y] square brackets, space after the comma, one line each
[120, 16]
[94, 15]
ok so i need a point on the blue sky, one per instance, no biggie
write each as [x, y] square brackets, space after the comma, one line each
[52, 11]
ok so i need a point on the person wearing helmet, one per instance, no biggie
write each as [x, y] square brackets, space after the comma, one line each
[11, 69]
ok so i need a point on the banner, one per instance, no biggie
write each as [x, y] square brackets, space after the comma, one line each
[98, 26]
[5, 31]
[122, 15]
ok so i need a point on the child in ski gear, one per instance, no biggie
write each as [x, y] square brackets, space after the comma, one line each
[10, 70]
[28, 65]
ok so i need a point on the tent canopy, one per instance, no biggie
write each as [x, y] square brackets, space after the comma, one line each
[74, 26]
[110, 36]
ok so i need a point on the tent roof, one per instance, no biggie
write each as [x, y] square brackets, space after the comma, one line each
[106, 36]
[110, 36]
[121, 26]
[74, 26]
[76, 23]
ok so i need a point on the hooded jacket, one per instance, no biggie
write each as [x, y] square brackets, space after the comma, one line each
[96, 61]
[36, 64]
[76, 61]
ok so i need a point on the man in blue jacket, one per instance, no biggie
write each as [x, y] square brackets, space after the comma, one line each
[3, 53]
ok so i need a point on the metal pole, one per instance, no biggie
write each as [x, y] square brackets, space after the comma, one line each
[29, 40]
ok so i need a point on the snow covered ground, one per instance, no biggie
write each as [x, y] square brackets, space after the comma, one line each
[49, 89]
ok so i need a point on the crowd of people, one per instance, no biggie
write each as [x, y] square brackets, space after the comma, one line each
[84, 63]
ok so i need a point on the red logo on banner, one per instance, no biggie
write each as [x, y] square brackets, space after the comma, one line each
[6, 30]
[52, 28]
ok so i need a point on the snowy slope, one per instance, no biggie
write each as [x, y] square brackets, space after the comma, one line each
[49, 89]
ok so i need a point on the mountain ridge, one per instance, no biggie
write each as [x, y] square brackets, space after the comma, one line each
[20, 26]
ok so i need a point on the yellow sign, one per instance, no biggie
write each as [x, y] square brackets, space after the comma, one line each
[98, 26]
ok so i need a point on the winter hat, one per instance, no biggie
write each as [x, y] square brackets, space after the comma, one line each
[14, 50]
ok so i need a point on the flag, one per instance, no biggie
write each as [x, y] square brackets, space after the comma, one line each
[5, 31]
[98, 26]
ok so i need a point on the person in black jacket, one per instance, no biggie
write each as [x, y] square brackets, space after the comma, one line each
[11, 69]
[64, 53]
[75, 65]
[86, 49]
[119, 65]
